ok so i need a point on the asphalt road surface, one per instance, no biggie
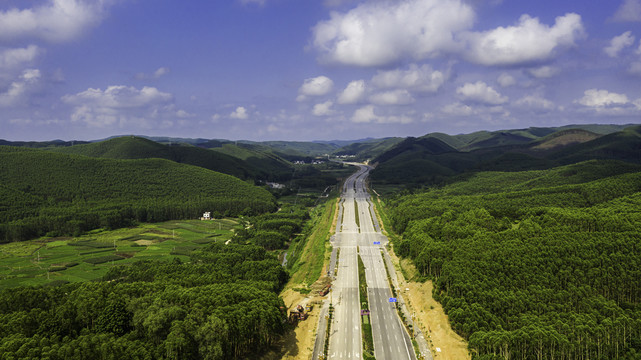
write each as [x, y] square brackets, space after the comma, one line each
[391, 341]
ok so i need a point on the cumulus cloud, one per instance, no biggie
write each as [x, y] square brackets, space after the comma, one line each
[543, 72]
[379, 33]
[20, 88]
[527, 41]
[629, 11]
[416, 78]
[318, 86]
[635, 68]
[240, 113]
[506, 80]
[618, 43]
[16, 57]
[457, 109]
[323, 109]
[353, 93]
[534, 102]
[56, 20]
[366, 114]
[119, 105]
[602, 98]
[482, 93]
[162, 71]
[394, 97]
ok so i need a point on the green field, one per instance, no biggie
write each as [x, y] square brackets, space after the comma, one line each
[88, 257]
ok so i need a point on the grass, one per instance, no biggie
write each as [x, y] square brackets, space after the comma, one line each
[308, 256]
[366, 326]
[358, 220]
[89, 257]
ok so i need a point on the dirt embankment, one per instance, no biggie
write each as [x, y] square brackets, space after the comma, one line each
[430, 316]
[298, 343]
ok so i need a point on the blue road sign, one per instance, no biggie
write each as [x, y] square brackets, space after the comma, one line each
[392, 299]
[377, 242]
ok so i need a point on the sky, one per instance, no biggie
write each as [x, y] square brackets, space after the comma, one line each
[314, 69]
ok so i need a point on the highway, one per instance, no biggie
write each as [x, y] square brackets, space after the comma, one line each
[391, 341]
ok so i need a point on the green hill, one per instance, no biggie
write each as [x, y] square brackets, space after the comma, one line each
[130, 147]
[69, 194]
[367, 149]
[265, 162]
[413, 162]
[292, 150]
[522, 259]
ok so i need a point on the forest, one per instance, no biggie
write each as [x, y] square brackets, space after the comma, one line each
[272, 231]
[45, 193]
[539, 264]
[222, 304]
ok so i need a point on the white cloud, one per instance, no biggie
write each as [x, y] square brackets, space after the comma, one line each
[10, 58]
[482, 93]
[618, 43]
[182, 114]
[378, 33]
[318, 86]
[601, 98]
[162, 71]
[635, 68]
[120, 105]
[57, 20]
[506, 80]
[323, 109]
[534, 102]
[353, 93]
[415, 78]
[20, 88]
[527, 41]
[458, 109]
[629, 11]
[366, 114]
[394, 97]
[543, 72]
[240, 113]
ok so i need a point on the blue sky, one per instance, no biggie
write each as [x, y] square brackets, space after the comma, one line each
[313, 70]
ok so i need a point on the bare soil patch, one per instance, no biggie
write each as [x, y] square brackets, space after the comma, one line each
[298, 343]
[430, 316]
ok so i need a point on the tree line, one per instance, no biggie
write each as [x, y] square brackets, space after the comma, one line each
[53, 194]
[223, 304]
[540, 267]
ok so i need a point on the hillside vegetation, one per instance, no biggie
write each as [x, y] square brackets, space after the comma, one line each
[434, 159]
[130, 147]
[61, 194]
[221, 304]
[533, 265]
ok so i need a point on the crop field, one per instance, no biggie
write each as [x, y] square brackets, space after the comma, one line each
[88, 257]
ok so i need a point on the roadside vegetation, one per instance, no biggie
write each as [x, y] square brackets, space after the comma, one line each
[366, 324]
[533, 265]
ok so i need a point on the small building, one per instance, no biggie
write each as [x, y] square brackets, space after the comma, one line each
[206, 216]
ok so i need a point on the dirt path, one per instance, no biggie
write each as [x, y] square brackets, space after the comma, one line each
[430, 316]
[298, 343]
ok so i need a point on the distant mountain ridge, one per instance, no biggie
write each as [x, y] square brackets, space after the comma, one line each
[413, 161]
[131, 147]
